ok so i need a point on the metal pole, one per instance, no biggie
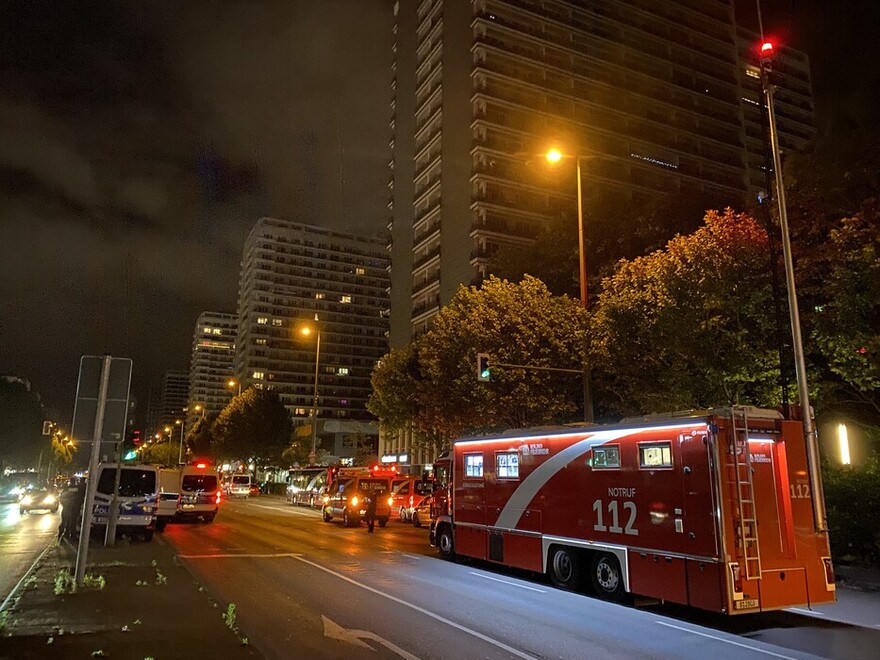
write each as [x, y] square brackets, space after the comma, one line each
[582, 272]
[180, 451]
[92, 484]
[313, 454]
[113, 513]
[811, 441]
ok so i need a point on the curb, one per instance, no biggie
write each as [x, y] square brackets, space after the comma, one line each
[33, 568]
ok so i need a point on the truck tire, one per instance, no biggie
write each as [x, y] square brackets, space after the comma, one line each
[346, 519]
[382, 521]
[607, 578]
[327, 517]
[564, 568]
[415, 521]
[446, 543]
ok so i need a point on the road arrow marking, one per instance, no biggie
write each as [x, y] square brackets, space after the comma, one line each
[355, 637]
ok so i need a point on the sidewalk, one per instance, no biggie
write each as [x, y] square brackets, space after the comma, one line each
[148, 607]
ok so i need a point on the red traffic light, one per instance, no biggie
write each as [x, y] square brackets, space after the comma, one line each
[767, 48]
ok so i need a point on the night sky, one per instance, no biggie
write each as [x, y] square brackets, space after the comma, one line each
[139, 141]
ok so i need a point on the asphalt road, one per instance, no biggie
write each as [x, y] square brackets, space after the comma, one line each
[305, 588]
[22, 539]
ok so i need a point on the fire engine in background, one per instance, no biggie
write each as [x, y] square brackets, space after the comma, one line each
[712, 510]
[348, 488]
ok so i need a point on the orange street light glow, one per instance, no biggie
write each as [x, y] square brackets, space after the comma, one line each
[554, 155]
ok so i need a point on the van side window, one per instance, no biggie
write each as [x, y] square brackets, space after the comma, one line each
[473, 465]
[655, 455]
[606, 458]
[507, 465]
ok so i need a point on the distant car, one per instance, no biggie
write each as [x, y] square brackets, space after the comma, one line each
[38, 499]
[239, 485]
[421, 514]
[255, 489]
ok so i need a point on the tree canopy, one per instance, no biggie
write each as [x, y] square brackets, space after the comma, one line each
[255, 426]
[690, 325]
[433, 383]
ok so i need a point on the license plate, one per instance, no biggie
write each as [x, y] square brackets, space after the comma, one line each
[747, 604]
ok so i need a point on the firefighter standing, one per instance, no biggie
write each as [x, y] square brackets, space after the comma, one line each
[370, 514]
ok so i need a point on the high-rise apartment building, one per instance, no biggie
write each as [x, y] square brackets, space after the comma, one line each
[291, 274]
[175, 390]
[212, 364]
[649, 93]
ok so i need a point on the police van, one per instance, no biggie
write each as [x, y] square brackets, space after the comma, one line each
[199, 492]
[136, 497]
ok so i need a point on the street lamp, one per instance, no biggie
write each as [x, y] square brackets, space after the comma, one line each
[232, 383]
[812, 442]
[554, 156]
[307, 330]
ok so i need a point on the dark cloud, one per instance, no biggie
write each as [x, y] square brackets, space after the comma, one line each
[139, 141]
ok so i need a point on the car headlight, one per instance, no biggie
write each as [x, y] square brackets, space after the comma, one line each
[354, 500]
[27, 499]
[49, 499]
[390, 501]
[326, 499]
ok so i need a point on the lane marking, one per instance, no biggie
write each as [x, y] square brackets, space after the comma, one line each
[422, 610]
[226, 555]
[809, 612]
[410, 556]
[512, 584]
[726, 641]
[292, 512]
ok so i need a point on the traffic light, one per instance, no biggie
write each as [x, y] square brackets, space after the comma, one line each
[483, 374]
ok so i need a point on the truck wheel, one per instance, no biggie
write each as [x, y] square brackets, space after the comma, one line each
[209, 518]
[346, 519]
[147, 535]
[160, 525]
[445, 542]
[383, 522]
[416, 522]
[565, 568]
[327, 517]
[607, 578]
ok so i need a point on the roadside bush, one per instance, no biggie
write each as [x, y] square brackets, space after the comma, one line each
[852, 497]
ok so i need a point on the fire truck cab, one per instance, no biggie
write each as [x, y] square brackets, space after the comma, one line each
[348, 490]
[711, 509]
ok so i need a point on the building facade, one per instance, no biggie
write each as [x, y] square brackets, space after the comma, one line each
[296, 276]
[212, 365]
[175, 392]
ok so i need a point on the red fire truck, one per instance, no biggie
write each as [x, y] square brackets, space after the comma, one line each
[712, 510]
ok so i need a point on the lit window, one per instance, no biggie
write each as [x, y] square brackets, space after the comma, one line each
[507, 465]
[319, 296]
[473, 465]
[276, 322]
[360, 271]
[299, 411]
[655, 455]
[260, 341]
[606, 457]
[206, 330]
[345, 299]
[342, 371]
[262, 320]
[259, 375]
[752, 72]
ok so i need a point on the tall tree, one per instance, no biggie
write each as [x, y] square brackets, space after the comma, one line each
[200, 436]
[690, 325]
[21, 421]
[165, 453]
[255, 426]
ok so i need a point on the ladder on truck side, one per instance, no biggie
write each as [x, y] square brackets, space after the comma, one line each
[748, 551]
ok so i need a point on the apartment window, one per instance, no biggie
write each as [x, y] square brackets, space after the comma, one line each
[262, 320]
[473, 466]
[206, 330]
[217, 331]
[342, 371]
[655, 454]
[319, 296]
[299, 411]
[277, 322]
[360, 271]
[259, 375]
[605, 458]
[345, 299]
[259, 341]
[507, 465]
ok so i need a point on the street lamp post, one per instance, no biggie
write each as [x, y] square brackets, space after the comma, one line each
[182, 423]
[307, 330]
[554, 156]
[231, 384]
[812, 443]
